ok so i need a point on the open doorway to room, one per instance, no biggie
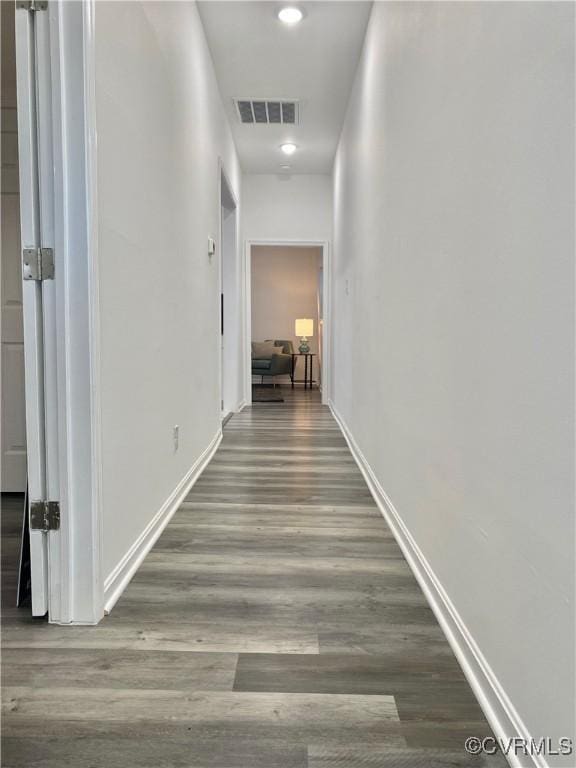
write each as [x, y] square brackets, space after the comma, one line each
[287, 321]
[230, 339]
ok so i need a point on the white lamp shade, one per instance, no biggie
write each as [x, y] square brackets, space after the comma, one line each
[304, 327]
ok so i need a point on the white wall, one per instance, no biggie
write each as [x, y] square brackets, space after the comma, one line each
[284, 287]
[297, 207]
[161, 129]
[278, 208]
[453, 290]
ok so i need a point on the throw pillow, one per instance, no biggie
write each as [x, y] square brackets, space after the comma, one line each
[263, 350]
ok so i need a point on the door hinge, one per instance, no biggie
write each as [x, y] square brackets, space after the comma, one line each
[31, 5]
[38, 264]
[44, 515]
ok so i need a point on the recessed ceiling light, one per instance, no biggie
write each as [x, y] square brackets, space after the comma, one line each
[288, 148]
[290, 15]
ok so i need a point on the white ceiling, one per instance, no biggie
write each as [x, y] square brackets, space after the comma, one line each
[256, 55]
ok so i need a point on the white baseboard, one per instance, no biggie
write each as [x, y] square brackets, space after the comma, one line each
[120, 577]
[499, 710]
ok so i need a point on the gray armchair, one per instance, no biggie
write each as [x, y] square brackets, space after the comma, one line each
[278, 364]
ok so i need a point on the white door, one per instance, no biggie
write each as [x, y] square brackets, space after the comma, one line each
[13, 406]
[36, 169]
[13, 426]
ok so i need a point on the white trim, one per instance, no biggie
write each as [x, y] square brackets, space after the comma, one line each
[89, 9]
[496, 705]
[47, 142]
[80, 588]
[326, 328]
[247, 310]
[222, 173]
[120, 577]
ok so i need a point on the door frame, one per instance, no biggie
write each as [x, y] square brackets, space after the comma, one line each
[222, 174]
[326, 377]
[36, 225]
[66, 147]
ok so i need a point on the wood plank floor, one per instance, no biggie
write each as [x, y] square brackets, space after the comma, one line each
[275, 624]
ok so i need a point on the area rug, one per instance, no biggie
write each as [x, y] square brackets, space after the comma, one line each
[262, 393]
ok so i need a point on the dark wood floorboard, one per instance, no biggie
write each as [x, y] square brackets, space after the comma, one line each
[275, 624]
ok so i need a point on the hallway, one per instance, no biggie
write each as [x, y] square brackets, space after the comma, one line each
[275, 623]
[230, 596]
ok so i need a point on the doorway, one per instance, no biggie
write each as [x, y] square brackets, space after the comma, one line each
[57, 268]
[286, 298]
[230, 346]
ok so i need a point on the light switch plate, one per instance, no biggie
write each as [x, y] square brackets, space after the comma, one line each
[211, 246]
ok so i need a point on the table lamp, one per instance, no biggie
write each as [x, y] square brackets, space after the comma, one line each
[304, 328]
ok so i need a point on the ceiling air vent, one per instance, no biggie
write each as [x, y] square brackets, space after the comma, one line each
[267, 111]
